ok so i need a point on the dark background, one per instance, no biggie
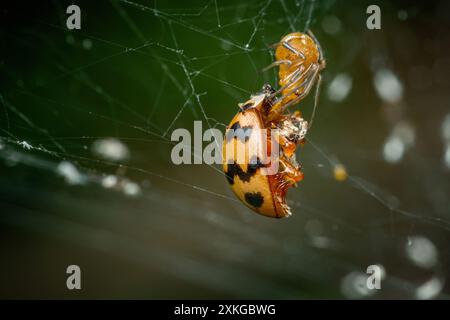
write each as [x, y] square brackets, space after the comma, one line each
[134, 72]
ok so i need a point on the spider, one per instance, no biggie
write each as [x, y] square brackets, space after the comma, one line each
[300, 61]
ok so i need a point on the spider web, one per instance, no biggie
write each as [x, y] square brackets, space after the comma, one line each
[85, 141]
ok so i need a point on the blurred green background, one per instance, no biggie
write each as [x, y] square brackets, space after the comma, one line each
[86, 176]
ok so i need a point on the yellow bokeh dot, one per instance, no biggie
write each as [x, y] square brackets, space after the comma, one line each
[340, 173]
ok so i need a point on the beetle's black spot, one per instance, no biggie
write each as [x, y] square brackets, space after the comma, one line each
[254, 164]
[247, 106]
[230, 173]
[235, 170]
[254, 199]
[241, 133]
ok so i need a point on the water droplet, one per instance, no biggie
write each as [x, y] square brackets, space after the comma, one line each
[388, 86]
[340, 173]
[422, 252]
[70, 173]
[331, 24]
[430, 289]
[339, 87]
[109, 181]
[402, 15]
[110, 149]
[70, 39]
[405, 132]
[393, 149]
[354, 286]
[87, 44]
[26, 145]
[132, 189]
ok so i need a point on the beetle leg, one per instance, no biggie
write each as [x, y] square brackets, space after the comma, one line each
[293, 134]
[288, 146]
[291, 172]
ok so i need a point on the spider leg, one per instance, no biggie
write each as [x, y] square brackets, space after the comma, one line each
[316, 99]
[293, 50]
[292, 78]
[286, 44]
[274, 45]
[319, 47]
[275, 64]
[311, 34]
[306, 84]
[308, 87]
[280, 105]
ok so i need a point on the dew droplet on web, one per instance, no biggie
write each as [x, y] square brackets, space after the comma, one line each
[109, 181]
[405, 132]
[401, 139]
[393, 149]
[131, 189]
[320, 242]
[26, 145]
[339, 87]
[354, 286]
[87, 44]
[430, 289]
[422, 252]
[70, 39]
[340, 173]
[314, 231]
[387, 85]
[110, 149]
[402, 15]
[331, 24]
[70, 173]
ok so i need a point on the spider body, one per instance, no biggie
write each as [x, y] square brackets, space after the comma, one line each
[300, 60]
